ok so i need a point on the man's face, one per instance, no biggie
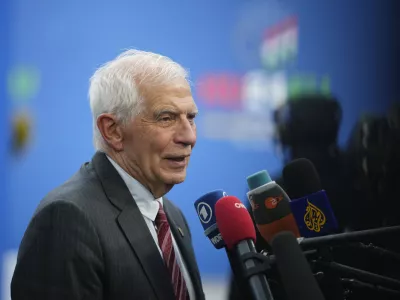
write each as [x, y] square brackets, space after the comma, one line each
[159, 141]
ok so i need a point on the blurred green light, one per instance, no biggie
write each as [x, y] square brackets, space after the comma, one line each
[308, 83]
[23, 83]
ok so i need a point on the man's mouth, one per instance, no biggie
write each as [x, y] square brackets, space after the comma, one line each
[180, 158]
[177, 158]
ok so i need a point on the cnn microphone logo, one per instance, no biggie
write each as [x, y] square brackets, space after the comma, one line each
[240, 205]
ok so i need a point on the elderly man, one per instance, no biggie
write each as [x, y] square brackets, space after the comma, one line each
[109, 232]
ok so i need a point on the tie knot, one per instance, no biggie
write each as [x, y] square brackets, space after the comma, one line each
[161, 216]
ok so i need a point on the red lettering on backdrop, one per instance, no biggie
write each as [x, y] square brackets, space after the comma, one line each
[220, 90]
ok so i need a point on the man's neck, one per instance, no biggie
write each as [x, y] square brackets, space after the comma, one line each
[157, 190]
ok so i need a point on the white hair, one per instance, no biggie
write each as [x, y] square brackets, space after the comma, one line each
[116, 86]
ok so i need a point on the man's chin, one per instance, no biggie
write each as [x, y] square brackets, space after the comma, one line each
[174, 178]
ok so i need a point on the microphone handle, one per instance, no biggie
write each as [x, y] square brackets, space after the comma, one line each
[257, 284]
[355, 236]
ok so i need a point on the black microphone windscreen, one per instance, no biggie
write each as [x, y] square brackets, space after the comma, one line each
[294, 270]
[301, 178]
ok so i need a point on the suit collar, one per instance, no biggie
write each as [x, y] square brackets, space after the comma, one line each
[148, 206]
[112, 183]
[134, 227]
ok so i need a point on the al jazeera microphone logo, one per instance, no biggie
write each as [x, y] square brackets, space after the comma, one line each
[314, 218]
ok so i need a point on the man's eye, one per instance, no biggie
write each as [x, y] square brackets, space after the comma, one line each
[165, 119]
[191, 117]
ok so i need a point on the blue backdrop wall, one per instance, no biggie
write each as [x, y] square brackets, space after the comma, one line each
[245, 57]
[4, 145]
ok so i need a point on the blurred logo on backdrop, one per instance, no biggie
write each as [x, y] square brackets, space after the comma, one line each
[279, 44]
[23, 85]
[238, 107]
[21, 131]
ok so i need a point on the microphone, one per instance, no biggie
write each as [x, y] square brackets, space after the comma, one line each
[205, 206]
[271, 206]
[294, 270]
[310, 204]
[238, 232]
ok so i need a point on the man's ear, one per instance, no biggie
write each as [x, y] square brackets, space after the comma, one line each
[111, 131]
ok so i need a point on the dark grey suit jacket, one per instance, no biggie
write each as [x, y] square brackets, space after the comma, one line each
[88, 240]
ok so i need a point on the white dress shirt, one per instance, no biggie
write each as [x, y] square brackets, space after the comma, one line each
[148, 206]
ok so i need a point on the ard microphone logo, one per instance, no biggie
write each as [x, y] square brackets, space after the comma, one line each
[272, 202]
[216, 239]
[204, 212]
[314, 218]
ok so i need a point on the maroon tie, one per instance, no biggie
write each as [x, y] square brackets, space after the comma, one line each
[168, 252]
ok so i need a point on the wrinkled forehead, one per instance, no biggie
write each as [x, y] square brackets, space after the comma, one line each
[177, 94]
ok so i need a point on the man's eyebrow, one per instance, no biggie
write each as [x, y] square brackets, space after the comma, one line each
[175, 111]
[193, 110]
[193, 113]
[165, 110]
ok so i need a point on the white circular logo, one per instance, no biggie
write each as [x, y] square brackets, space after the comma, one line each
[204, 212]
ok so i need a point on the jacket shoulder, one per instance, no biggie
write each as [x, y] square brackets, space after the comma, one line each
[79, 189]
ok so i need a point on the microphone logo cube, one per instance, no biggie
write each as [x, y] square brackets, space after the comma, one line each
[269, 205]
[205, 206]
[205, 209]
[314, 215]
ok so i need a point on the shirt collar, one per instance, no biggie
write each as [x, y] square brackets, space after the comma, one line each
[146, 202]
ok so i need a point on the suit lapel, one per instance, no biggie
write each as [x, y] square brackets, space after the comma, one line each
[134, 227]
[181, 235]
[143, 245]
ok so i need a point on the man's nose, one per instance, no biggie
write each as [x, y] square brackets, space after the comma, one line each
[186, 133]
